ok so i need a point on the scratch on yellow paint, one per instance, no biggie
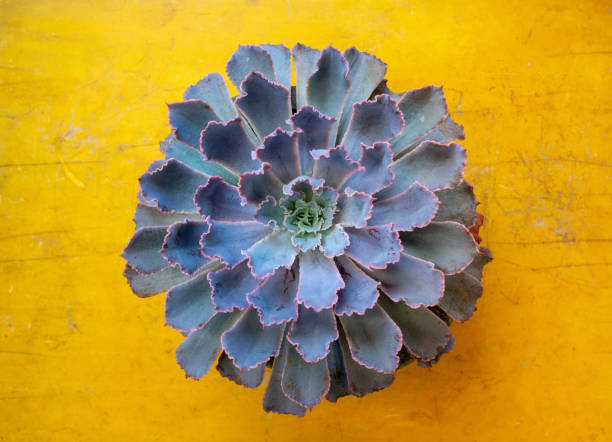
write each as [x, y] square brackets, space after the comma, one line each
[83, 87]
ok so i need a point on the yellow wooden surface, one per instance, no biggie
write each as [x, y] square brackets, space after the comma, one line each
[83, 87]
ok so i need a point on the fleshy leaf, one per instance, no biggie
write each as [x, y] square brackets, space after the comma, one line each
[188, 305]
[415, 207]
[372, 121]
[269, 212]
[172, 186]
[247, 59]
[230, 287]
[280, 150]
[270, 253]
[304, 63]
[449, 245]
[328, 85]
[313, 332]
[266, 105]
[319, 279]
[374, 247]
[362, 380]
[374, 339]
[483, 258]
[229, 145]
[304, 184]
[281, 60]
[182, 245]
[275, 297]
[189, 118]
[435, 166]
[212, 90]
[247, 378]
[142, 252]
[354, 209]
[306, 241]
[333, 165]
[256, 187]
[227, 240]
[412, 280]
[249, 344]
[274, 399]
[306, 383]
[424, 334]
[337, 373]
[147, 216]
[334, 241]
[158, 282]
[458, 204]
[460, 295]
[197, 353]
[360, 292]
[448, 348]
[220, 201]
[315, 134]
[375, 173]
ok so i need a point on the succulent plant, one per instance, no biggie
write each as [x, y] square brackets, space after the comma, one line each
[321, 229]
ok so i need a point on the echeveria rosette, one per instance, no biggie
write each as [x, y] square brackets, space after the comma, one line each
[324, 229]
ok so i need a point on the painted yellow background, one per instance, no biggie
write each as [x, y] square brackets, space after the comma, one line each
[83, 87]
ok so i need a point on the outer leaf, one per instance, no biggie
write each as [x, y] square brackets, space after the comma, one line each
[319, 281]
[188, 305]
[212, 90]
[306, 383]
[227, 240]
[458, 204]
[360, 292]
[304, 63]
[158, 282]
[182, 245]
[337, 373]
[229, 145]
[374, 247]
[247, 378]
[313, 332]
[375, 171]
[230, 287]
[248, 59]
[460, 295]
[189, 118]
[142, 252]
[483, 258]
[222, 202]
[147, 216]
[281, 59]
[256, 187]
[274, 298]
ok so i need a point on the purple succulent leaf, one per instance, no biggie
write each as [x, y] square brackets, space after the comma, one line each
[319, 281]
[374, 339]
[274, 298]
[338, 382]
[197, 353]
[304, 184]
[247, 378]
[447, 349]
[189, 118]
[365, 73]
[266, 105]
[182, 245]
[280, 150]
[436, 166]
[227, 240]
[334, 241]
[305, 64]
[269, 212]
[270, 253]
[460, 295]
[212, 90]
[333, 165]
[328, 86]
[362, 380]
[313, 332]
[483, 258]
[373, 121]
[382, 88]
[314, 133]
[360, 292]
[375, 169]
[354, 209]
[443, 133]
[222, 202]
[189, 305]
[147, 216]
[229, 145]
[144, 286]
[274, 398]
[256, 187]
[412, 280]
[458, 204]
[247, 59]
[415, 207]
[424, 334]
[424, 110]
[306, 241]
[230, 287]
[248, 343]
[142, 251]
[374, 247]
[281, 60]
[172, 186]
[305, 383]
[449, 245]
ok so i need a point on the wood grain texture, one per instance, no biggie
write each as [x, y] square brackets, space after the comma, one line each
[83, 87]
